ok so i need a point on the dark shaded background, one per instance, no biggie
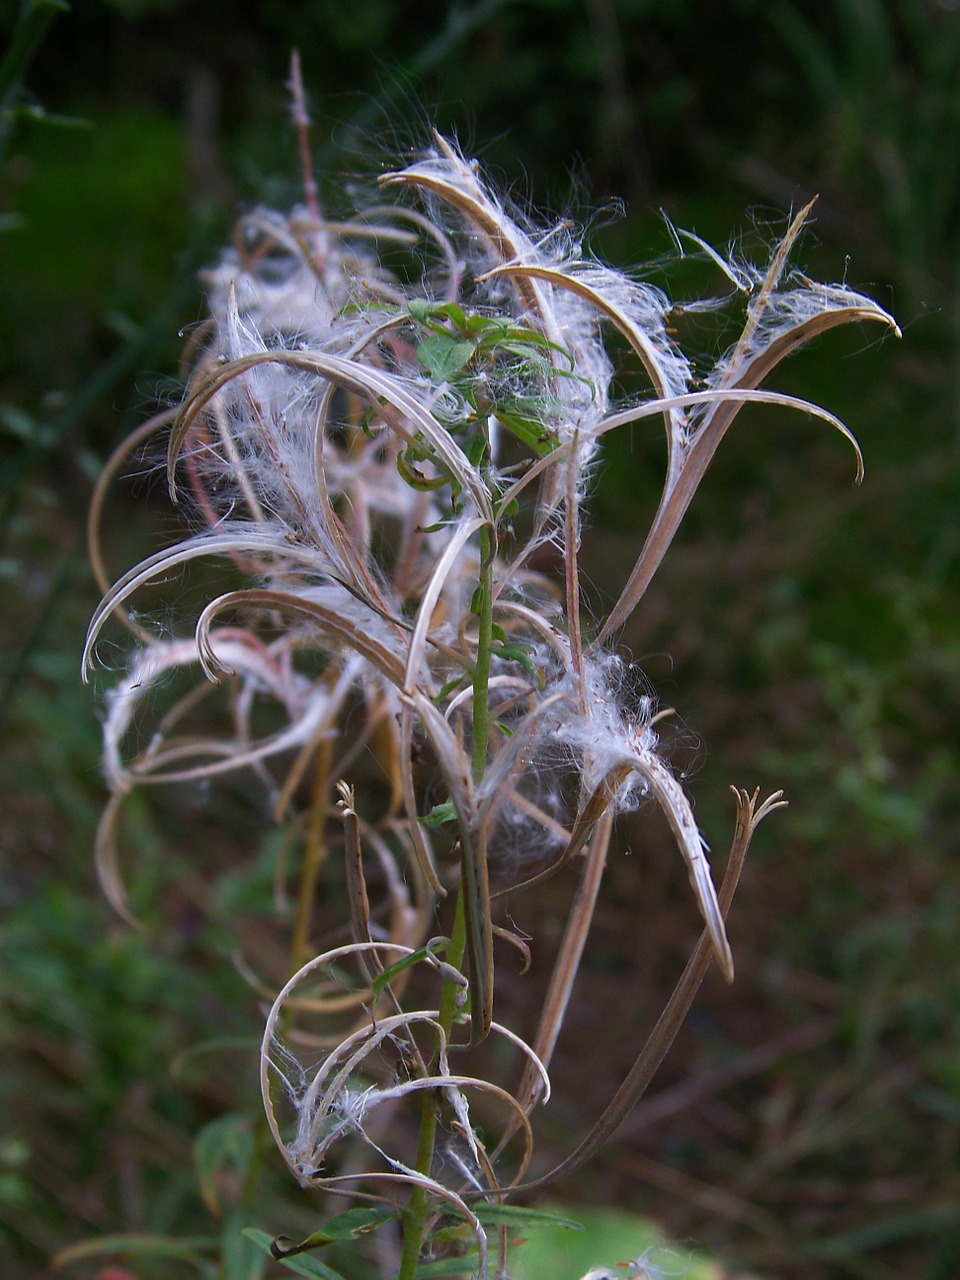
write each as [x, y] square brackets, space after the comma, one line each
[807, 1122]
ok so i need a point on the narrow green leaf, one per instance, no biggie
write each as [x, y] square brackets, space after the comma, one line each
[312, 1268]
[345, 1226]
[226, 1142]
[429, 313]
[187, 1248]
[31, 27]
[240, 1259]
[357, 1222]
[513, 1215]
[443, 355]
[421, 310]
[476, 448]
[452, 686]
[528, 344]
[388, 974]
[416, 479]
[517, 651]
[477, 323]
[453, 311]
[184, 1066]
[440, 814]
[528, 429]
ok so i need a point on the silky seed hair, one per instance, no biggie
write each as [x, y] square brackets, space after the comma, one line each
[375, 458]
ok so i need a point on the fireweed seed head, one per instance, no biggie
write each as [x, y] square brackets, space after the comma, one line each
[390, 416]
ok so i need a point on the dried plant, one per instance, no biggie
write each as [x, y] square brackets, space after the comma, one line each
[391, 422]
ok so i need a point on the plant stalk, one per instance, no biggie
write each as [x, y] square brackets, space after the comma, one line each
[481, 675]
[417, 1212]
[473, 882]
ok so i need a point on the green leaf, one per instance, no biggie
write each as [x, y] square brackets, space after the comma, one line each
[528, 344]
[391, 971]
[517, 651]
[226, 1142]
[416, 479]
[184, 1065]
[452, 686]
[27, 35]
[345, 1226]
[476, 448]
[453, 311]
[513, 1215]
[240, 1259]
[477, 323]
[443, 355]
[421, 310]
[187, 1248]
[606, 1238]
[313, 1268]
[440, 814]
[357, 1222]
[527, 428]
[428, 313]
[318, 1240]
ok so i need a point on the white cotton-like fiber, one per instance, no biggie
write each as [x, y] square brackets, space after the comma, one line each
[385, 450]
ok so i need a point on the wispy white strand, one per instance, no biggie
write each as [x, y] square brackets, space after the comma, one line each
[365, 481]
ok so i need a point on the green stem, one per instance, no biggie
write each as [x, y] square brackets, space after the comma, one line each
[419, 1208]
[481, 675]
[415, 1217]
[473, 853]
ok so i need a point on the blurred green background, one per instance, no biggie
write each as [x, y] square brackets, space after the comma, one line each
[807, 1122]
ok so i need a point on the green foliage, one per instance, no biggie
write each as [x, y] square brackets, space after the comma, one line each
[514, 1215]
[91, 1014]
[607, 1238]
[345, 1226]
[440, 814]
[226, 1143]
[141, 1248]
[125, 177]
[883, 78]
[482, 359]
[29, 29]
